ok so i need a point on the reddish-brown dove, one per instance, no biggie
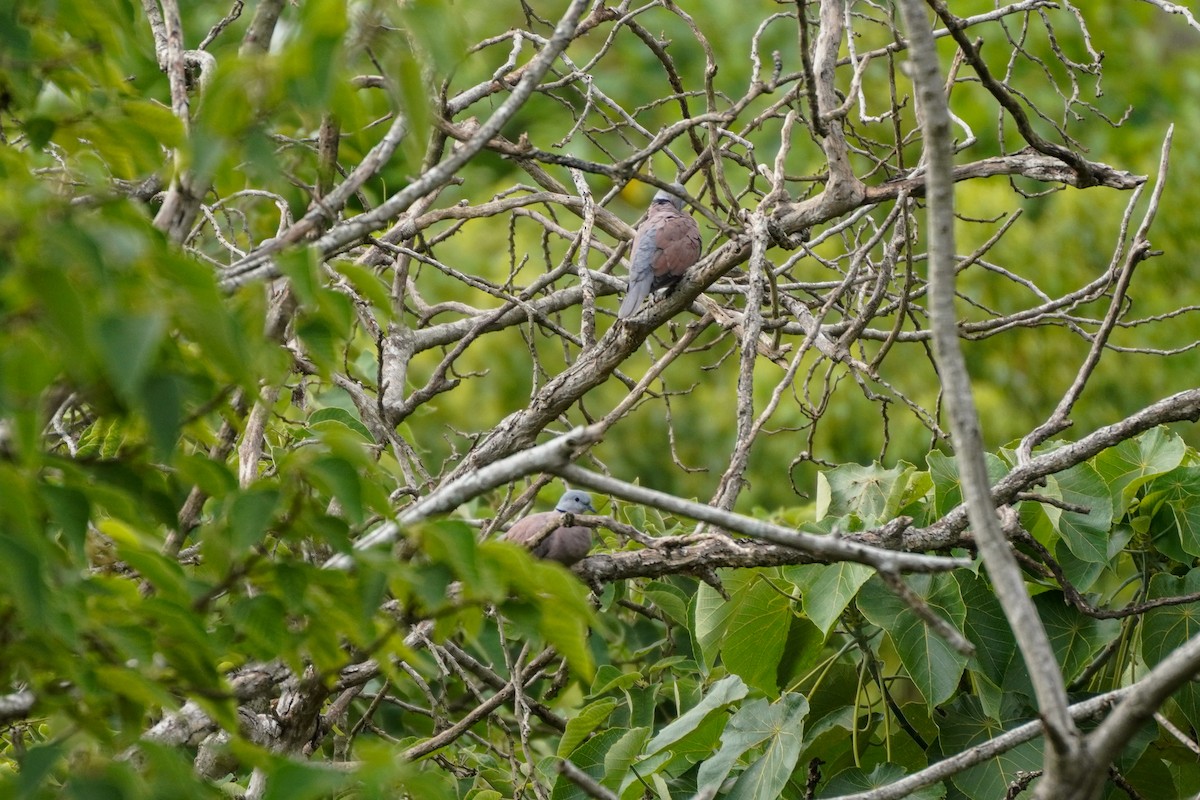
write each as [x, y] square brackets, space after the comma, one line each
[547, 538]
[665, 245]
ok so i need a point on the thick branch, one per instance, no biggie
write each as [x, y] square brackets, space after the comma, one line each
[823, 548]
[452, 494]
[964, 422]
[1176, 408]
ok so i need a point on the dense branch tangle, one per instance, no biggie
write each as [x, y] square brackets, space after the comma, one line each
[836, 183]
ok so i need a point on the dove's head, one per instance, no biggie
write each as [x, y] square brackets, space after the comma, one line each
[575, 502]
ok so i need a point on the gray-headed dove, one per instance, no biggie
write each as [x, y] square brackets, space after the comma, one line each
[665, 245]
[547, 539]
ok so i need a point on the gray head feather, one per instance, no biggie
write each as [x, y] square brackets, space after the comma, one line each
[575, 502]
[674, 196]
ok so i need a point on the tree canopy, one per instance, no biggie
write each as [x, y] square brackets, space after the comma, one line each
[302, 305]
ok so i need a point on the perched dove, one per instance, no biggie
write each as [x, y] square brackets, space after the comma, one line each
[665, 245]
[566, 545]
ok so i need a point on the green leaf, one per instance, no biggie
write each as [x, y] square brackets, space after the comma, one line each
[583, 722]
[669, 599]
[758, 628]
[932, 664]
[339, 478]
[561, 610]
[250, 516]
[1133, 462]
[871, 493]
[214, 478]
[723, 692]
[947, 490]
[162, 404]
[987, 628]
[1179, 489]
[163, 573]
[131, 684]
[1084, 574]
[451, 542]
[40, 130]
[565, 625]
[320, 342]
[1085, 534]
[1167, 628]
[294, 780]
[749, 631]
[71, 511]
[37, 763]
[339, 416]
[589, 757]
[778, 728]
[827, 589]
[963, 726]
[128, 342]
[26, 583]
[622, 755]
[263, 620]
[610, 678]
[155, 119]
[1076, 638]
[712, 616]
[856, 780]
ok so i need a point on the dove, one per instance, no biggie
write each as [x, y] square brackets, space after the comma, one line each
[545, 536]
[665, 245]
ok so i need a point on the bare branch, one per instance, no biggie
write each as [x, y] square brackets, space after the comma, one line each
[964, 423]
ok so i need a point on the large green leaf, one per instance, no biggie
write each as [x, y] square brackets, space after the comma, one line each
[987, 627]
[995, 646]
[129, 342]
[750, 630]
[250, 516]
[947, 490]
[962, 726]
[622, 754]
[583, 722]
[870, 493]
[721, 694]
[776, 728]
[1167, 628]
[553, 602]
[857, 779]
[1076, 638]
[669, 599]
[827, 589]
[1133, 462]
[1086, 534]
[1179, 490]
[932, 664]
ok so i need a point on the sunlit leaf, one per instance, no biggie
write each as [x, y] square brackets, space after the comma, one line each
[1085, 533]
[1126, 467]
[583, 723]
[1179, 490]
[777, 728]
[721, 694]
[827, 589]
